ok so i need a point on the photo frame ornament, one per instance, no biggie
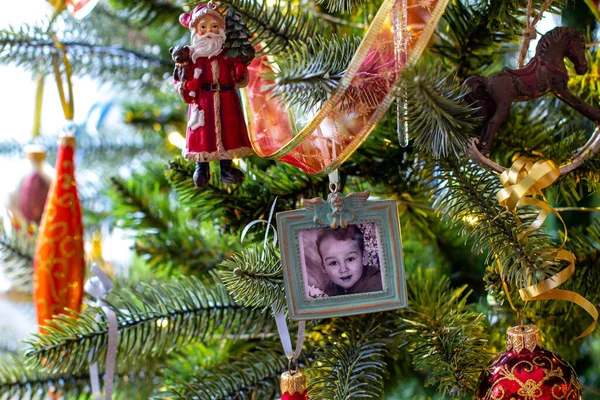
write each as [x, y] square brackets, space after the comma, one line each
[340, 212]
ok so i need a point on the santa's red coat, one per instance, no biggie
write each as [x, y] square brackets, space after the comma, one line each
[220, 132]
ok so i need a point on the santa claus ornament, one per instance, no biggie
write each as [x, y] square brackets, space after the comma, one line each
[527, 371]
[207, 75]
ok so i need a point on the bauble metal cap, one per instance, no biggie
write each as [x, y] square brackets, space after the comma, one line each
[523, 337]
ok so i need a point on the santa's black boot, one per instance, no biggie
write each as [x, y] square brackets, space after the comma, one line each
[230, 174]
[201, 174]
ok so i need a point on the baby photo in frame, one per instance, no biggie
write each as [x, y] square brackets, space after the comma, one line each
[342, 257]
[339, 261]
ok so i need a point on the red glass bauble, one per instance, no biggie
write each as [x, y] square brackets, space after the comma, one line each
[295, 396]
[527, 371]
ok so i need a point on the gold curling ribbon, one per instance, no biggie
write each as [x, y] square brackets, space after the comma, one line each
[545, 290]
[522, 182]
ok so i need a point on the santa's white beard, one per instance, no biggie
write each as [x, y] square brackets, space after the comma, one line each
[207, 45]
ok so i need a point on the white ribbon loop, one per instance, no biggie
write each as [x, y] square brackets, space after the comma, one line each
[282, 329]
[99, 286]
[286, 340]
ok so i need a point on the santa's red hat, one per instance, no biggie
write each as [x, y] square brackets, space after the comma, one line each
[189, 20]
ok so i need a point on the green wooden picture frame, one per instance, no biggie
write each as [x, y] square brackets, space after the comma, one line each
[340, 212]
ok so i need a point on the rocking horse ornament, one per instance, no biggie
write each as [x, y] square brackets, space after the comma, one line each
[545, 73]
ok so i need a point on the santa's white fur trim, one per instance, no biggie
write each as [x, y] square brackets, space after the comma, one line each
[217, 103]
[206, 156]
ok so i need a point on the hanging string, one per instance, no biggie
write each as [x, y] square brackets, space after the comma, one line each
[59, 6]
[60, 57]
[517, 311]
[37, 113]
[280, 320]
[99, 286]
[529, 33]
[57, 58]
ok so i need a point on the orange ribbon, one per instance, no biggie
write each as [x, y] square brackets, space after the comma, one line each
[522, 182]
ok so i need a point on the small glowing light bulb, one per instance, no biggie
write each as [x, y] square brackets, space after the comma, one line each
[177, 140]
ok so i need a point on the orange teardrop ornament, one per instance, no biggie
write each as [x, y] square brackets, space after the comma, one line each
[59, 257]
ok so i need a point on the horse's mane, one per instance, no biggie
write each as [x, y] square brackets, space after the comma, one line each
[554, 36]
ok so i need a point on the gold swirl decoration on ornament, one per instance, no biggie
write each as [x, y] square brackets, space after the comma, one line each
[530, 389]
[59, 255]
[522, 182]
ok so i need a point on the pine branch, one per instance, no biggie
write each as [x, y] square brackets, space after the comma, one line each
[310, 71]
[275, 28]
[343, 6]
[94, 146]
[236, 206]
[135, 200]
[466, 194]
[533, 129]
[24, 44]
[152, 322]
[585, 244]
[437, 116]
[32, 48]
[254, 278]
[16, 255]
[167, 236]
[443, 335]
[477, 33]
[253, 376]
[17, 381]
[585, 86]
[354, 364]
[145, 13]
[581, 183]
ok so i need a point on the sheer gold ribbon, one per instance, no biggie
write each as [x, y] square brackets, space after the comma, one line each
[320, 143]
[522, 182]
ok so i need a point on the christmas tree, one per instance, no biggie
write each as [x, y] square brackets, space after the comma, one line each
[195, 307]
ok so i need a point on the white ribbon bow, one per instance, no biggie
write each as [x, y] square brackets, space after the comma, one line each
[99, 286]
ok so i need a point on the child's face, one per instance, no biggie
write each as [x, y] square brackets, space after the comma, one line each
[342, 260]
